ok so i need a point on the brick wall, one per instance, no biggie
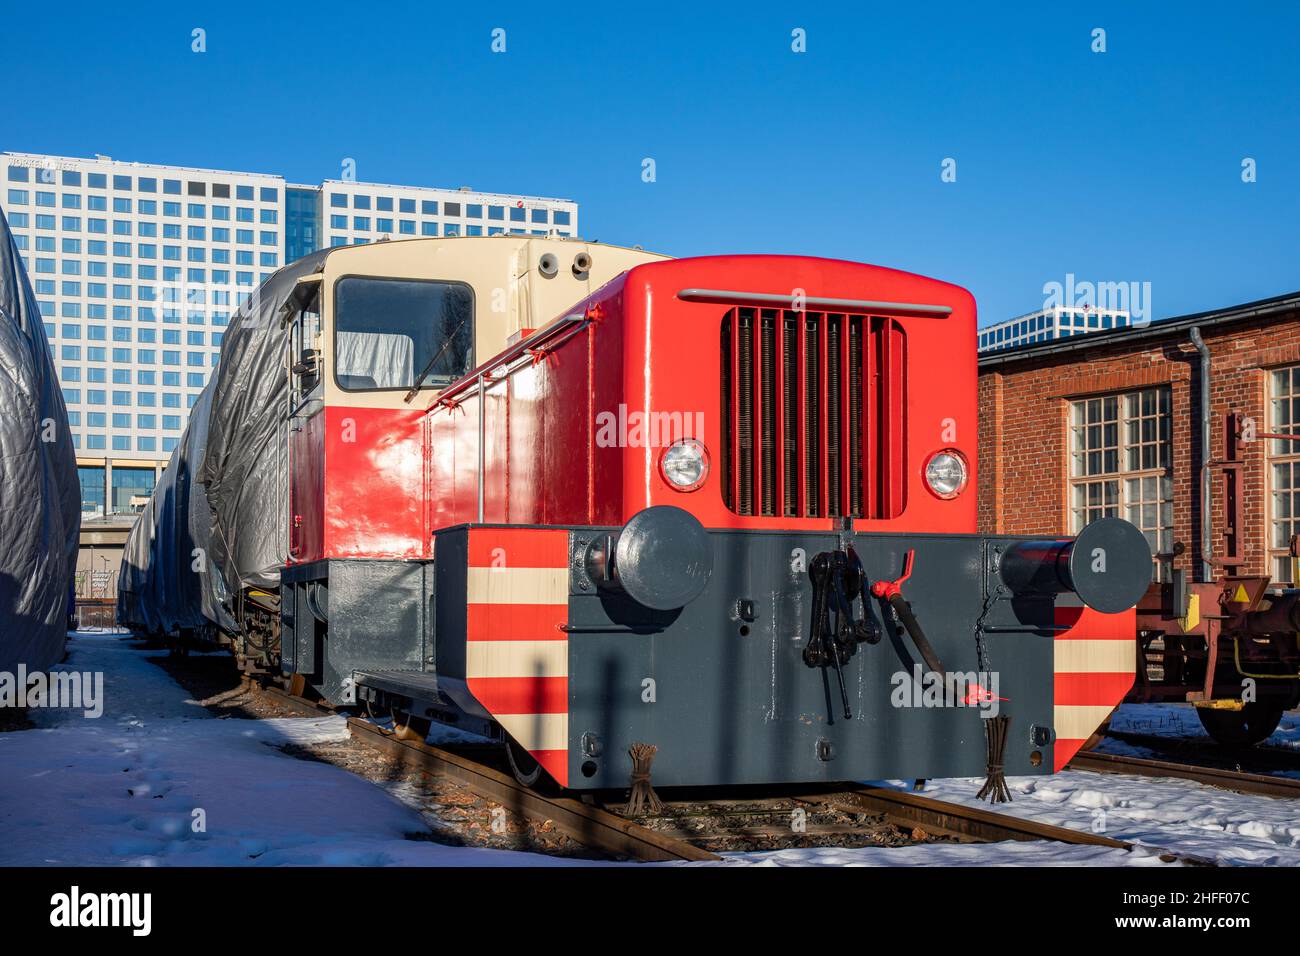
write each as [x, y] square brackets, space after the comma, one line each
[1024, 425]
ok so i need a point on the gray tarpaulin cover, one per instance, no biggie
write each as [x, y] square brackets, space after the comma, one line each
[215, 521]
[205, 590]
[243, 469]
[40, 501]
[168, 580]
[134, 604]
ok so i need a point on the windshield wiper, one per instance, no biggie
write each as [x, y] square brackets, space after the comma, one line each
[419, 379]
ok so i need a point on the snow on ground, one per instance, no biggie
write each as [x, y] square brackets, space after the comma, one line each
[1177, 815]
[951, 854]
[1157, 814]
[1180, 720]
[123, 790]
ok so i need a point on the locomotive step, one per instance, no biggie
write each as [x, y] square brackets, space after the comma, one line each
[417, 685]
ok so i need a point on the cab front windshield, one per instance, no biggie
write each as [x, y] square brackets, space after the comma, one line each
[388, 331]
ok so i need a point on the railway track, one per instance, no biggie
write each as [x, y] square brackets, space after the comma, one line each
[686, 826]
[308, 708]
[1201, 763]
[590, 825]
[1234, 780]
[1258, 759]
[695, 823]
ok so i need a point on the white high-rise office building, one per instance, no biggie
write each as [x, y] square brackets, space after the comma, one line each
[354, 212]
[1055, 322]
[137, 269]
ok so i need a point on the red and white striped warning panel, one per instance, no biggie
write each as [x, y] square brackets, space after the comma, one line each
[516, 655]
[1093, 665]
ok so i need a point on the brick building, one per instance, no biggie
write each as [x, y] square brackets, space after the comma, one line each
[1111, 424]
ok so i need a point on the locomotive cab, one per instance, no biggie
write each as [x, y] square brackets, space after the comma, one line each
[373, 338]
[373, 334]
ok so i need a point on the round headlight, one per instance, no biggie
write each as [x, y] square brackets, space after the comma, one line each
[945, 473]
[685, 464]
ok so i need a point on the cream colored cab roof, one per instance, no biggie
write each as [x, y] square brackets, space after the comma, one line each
[510, 291]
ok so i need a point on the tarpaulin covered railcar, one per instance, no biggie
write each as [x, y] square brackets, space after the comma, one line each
[169, 583]
[135, 606]
[243, 468]
[40, 510]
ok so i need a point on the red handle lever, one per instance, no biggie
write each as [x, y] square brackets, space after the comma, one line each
[887, 589]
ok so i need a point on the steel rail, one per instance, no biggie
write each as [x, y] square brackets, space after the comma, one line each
[589, 825]
[966, 824]
[1235, 780]
[1258, 759]
[303, 706]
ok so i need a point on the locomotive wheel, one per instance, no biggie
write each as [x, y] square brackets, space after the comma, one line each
[526, 770]
[406, 727]
[1255, 722]
[1099, 734]
[1094, 740]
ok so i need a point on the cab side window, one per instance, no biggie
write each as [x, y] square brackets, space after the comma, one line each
[389, 331]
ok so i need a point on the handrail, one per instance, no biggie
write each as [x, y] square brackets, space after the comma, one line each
[814, 303]
[501, 366]
[572, 324]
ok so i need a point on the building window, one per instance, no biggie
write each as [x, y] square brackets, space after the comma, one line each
[131, 489]
[1120, 463]
[1283, 470]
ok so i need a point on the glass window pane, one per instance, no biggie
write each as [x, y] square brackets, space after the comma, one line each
[389, 331]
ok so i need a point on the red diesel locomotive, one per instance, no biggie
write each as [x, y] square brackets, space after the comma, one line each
[722, 506]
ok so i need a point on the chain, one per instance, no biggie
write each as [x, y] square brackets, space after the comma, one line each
[981, 651]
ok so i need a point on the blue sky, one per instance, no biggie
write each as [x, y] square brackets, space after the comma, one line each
[1117, 167]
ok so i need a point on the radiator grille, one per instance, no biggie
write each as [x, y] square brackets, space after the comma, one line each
[814, 413]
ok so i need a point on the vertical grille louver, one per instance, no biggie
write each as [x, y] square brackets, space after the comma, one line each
[814, 413]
